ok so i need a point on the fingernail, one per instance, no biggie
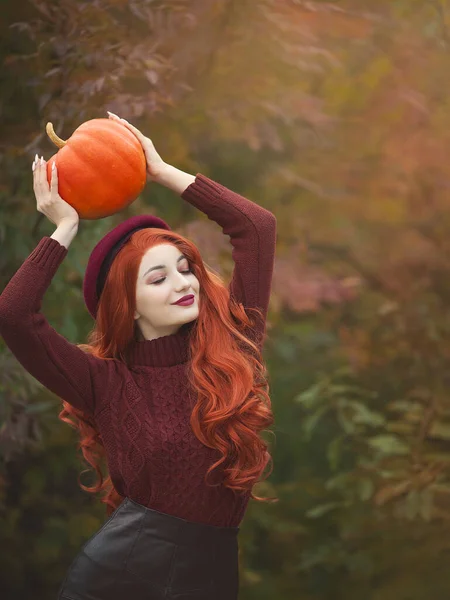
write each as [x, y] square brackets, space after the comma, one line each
[42, 160]
[36, 157]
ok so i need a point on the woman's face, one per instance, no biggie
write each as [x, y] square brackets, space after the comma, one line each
[163, 278]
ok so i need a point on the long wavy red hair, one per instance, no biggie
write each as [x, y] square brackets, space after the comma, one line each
[227, 370]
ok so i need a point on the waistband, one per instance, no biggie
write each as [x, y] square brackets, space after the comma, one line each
[177, 529]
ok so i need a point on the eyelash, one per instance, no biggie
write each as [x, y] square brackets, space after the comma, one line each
[161, 280]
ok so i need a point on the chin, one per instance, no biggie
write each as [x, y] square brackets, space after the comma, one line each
[190, 319]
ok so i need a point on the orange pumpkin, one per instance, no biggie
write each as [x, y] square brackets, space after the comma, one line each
[101, 168]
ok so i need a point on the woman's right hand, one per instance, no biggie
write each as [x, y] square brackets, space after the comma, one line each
[155, 164]
[49, 202]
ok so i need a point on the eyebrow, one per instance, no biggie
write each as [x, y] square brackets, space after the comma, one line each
[162, 266]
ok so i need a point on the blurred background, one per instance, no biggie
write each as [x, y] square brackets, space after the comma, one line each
[334, 116]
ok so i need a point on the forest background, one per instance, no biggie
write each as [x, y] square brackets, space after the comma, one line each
[335, 116]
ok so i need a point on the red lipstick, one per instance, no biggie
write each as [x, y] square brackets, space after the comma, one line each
[185, 300]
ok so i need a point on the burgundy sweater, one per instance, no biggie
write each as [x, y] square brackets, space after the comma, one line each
[142, 411]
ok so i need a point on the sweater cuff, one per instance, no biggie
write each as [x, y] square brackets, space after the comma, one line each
[203, 187]
[48, 254]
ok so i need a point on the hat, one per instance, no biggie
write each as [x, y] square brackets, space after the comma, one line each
[104, 253]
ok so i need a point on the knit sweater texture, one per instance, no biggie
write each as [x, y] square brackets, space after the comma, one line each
[142, 409]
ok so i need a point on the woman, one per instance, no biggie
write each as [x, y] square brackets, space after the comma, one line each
[173, 395]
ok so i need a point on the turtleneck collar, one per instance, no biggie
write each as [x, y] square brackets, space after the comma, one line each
[165, 351]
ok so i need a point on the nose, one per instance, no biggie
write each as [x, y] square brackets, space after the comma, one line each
[183, 282]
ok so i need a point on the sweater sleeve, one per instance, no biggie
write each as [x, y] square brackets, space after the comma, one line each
[252, 231]
[59, 365]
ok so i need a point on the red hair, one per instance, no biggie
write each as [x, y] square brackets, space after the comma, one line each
[227, 369]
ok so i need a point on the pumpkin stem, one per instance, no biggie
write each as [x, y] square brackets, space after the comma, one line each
[52, 135]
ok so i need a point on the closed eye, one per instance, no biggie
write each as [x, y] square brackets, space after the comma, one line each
[162, 279]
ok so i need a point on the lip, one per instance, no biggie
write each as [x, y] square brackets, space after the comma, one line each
[184, 299]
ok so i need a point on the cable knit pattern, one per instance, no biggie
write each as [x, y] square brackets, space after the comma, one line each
[143, 411]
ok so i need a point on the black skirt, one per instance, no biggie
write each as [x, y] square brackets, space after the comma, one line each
[142, 554]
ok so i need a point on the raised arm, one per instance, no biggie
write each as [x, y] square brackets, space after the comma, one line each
[59, 365]
[252, 231]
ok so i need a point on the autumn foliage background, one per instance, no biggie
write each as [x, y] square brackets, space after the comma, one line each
[336, 117]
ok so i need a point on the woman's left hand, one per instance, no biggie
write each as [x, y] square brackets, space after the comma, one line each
[155, 164]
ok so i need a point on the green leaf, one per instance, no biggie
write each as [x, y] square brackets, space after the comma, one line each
[339, 482]
[310, 421]
[342, 390]
[365, 489]
[346, 422]
[412, 505]
[39, 407]
[334, 451]
[440, 430]
[365, 416]
[323, 509]
[312, 396]
[426, 504]
[388, 445]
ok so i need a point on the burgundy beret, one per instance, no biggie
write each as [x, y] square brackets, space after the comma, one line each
[105, 251]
